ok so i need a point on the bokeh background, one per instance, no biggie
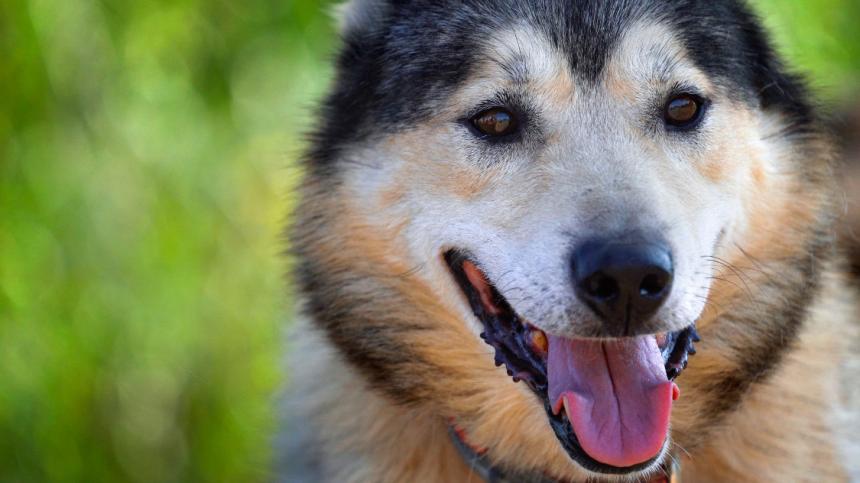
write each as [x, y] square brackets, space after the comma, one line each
[147, 155]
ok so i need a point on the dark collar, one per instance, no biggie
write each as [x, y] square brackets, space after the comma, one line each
[476, 459]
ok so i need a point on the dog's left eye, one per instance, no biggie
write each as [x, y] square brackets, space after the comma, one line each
[684, 111]
[495, 122]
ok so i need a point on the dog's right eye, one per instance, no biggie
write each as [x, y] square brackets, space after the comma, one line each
[495, 122]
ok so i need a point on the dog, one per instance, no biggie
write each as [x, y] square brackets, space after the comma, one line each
[847, 130]
[564, 240]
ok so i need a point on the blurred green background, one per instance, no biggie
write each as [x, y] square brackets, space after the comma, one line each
[147, 154]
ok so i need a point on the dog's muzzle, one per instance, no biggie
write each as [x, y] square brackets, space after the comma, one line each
[607, 400]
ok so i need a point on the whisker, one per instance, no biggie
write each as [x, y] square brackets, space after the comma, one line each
[735, 270]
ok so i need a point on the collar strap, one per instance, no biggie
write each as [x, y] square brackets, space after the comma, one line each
[476, 459]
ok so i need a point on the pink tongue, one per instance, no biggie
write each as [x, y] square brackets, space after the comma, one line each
[617, 396]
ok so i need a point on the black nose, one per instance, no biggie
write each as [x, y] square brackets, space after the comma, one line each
[623, 282]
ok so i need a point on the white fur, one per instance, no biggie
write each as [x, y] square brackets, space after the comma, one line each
[594, 176]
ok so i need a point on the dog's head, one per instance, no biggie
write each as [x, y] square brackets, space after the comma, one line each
[574, 182]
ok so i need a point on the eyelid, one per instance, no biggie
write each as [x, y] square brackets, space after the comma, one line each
[679, 88]
[501, 100]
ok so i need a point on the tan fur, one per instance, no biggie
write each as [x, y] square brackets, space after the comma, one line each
[784, 430]
[776, 205]
[784, 427]
[493, 410]
[357, 422]
[762, 441]
[360, 431]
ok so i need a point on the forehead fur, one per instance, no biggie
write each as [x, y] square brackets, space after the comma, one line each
[649, 56]
[402, 59]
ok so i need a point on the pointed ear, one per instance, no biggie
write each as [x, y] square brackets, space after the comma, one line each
[355, 17]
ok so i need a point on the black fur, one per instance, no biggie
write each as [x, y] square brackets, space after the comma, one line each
[373, 345]
[390, 73]
[393, 71]
[798, 282]
[413, 52]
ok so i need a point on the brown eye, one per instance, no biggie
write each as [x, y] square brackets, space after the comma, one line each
[683, 110]
[495, 122]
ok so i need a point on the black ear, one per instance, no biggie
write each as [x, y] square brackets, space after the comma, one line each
[785, 91]
[359, 17]
[778, 88]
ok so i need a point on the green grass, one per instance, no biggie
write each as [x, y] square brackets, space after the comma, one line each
[821, 39]
[147, 154]
[147, 151]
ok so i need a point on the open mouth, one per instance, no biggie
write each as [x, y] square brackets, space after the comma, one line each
[608, 400]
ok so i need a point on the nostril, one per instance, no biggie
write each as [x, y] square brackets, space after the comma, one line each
[602, 287]
[652, 286]
[624, 282]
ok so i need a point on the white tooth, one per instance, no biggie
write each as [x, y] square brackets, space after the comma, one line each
[566, 408]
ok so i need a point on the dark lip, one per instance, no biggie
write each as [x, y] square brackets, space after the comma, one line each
[507, 334]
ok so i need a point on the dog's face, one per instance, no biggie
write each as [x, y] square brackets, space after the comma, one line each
[541, 177]
[567, 179]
